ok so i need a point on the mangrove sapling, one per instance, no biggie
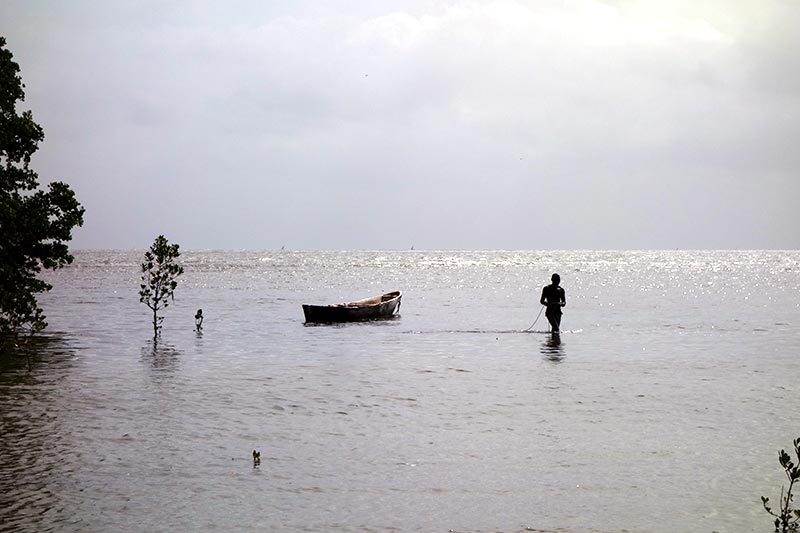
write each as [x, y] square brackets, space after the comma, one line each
[159, 278]
[786, 519]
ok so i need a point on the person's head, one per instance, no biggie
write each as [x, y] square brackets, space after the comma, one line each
[556, 279]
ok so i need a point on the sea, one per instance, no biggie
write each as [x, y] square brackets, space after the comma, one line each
[661, 407]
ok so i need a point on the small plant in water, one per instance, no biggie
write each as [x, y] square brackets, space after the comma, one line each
[786, 518]
[159, 273]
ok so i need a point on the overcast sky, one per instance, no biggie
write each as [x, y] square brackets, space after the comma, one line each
[561, 124]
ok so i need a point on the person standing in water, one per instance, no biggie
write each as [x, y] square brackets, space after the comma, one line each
[554, 298]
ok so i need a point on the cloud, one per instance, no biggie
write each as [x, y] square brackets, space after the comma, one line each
[473, 115]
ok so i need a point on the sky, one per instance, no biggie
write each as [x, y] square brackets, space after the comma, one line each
[558, 124]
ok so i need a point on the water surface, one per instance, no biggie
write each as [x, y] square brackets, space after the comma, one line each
[660, 409]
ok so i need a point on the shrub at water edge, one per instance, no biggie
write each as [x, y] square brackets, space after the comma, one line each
[35, 225]
[786, 518]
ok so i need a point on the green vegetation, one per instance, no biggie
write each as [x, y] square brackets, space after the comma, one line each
[159, 278]
[786, 519]
[35, 225]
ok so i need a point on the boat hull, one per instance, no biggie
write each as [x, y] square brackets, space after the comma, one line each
[382, 306]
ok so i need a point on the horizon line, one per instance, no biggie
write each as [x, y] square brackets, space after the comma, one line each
[310, 250]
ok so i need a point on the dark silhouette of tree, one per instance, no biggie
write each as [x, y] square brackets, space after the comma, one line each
[35, 224]
[787, 518]
[159, 278]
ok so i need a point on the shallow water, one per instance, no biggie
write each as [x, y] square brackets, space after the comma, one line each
[660, 408]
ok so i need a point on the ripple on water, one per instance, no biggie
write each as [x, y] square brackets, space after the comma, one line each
[445, 418]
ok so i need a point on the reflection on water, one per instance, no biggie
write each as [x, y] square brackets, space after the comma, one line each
[34, 434]
[48, 348]
[160, 355]
[552, 348]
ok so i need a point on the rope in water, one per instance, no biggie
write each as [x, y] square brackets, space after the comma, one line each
[535, 321]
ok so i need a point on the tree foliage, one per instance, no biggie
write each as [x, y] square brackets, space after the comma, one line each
[786, 518]
[35, 224]
[159, 278]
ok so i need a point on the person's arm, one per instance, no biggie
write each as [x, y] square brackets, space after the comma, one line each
[563, 298]
[541, 300]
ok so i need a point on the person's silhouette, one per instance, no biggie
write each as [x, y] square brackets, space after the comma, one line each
[554, 298]
[198, 320]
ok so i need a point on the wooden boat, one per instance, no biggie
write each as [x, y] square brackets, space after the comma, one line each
[381, 306]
